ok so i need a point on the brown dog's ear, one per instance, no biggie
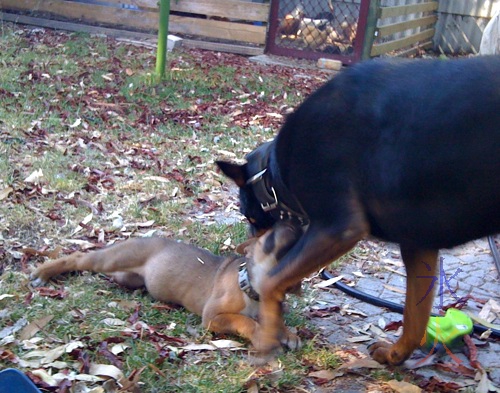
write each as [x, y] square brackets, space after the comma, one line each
[246, 247]
[233, 171]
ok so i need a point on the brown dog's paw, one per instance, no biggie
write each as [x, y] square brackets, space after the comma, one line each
[291, 341]
[384, 353]
[265, 354]
[258, 359]
[267, 347]
[35, 280]
[40, 276]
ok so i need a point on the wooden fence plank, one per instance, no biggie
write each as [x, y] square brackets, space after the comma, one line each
[141, 20]
[415, 49]
[90, 13]
[150, 40]
[218, 29]
[224, 8]
[380, 49]
[222, 47]
[70, 26]
[390, 12]
[386, 30]
[242, 10]
[477, 8]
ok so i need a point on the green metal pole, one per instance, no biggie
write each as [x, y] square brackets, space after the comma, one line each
[161, 52]
[371, 27]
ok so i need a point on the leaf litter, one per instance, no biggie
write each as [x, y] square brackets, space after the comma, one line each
[115, 143]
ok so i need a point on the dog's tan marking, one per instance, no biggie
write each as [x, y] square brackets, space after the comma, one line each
[420, 282]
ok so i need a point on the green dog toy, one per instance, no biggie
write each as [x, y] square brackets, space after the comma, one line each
[445, 333]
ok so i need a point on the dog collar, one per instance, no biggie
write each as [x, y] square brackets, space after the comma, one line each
[244, 281]
[266, 191]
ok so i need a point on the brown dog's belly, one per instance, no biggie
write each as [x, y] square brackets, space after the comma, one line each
[187, 279]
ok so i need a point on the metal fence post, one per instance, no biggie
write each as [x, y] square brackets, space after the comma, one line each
[371, 27]
[161, 52]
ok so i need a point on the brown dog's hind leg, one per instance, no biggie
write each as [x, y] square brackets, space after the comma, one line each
[122, 257]
[420, 281]
[45, 272]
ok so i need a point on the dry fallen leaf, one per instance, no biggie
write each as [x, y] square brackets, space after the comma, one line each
[490, 310]
[10, 330]
[394, 289]
[34, 327]
[4, 193]
[113, 322]
[35, 177]
[228, 344]
[85, 221]
[361, 363]
[403, 387]
[105, 370]
[252, 387]
[327, 283]
[84, 244]
[119, 348]
[359, 339]
[199, 347]
[45, 377]
[326, 374]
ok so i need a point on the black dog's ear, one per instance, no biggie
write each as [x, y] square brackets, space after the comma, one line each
[234, 171]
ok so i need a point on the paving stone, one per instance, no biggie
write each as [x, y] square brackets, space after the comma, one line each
[477, 276]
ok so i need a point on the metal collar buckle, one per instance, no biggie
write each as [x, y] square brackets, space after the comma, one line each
[270, 206]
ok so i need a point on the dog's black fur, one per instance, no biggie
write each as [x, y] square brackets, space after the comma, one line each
[407, 151]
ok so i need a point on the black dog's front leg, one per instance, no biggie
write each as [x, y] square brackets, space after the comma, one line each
[318, 247]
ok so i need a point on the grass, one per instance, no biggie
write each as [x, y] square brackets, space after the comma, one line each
[91, 301]
[85, 112]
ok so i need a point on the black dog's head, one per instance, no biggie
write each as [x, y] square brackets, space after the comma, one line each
[242, 175]
[250, 207]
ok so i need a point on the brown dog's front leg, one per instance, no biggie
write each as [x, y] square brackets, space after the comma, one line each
[420, 281]
[232, 323]
[318, 247]
[245, 327]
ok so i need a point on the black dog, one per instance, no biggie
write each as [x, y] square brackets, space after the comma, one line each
[408, 151]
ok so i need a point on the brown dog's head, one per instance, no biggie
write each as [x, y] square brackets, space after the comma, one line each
[265, 252]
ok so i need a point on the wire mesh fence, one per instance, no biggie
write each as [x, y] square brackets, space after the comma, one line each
[325, 26]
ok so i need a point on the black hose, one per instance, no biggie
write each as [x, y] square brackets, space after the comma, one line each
[479, 329]
[494, 251]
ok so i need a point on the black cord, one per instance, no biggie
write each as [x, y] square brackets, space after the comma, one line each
[494, 251]
[479, 329]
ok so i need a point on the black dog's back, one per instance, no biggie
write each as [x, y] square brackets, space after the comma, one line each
[417, 143]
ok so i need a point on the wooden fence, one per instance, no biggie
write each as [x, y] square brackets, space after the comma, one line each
[461, 24]
[400, 27]
[220, 22]
[240, 26]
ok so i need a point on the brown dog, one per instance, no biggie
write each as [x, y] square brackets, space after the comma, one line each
[223, 291]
